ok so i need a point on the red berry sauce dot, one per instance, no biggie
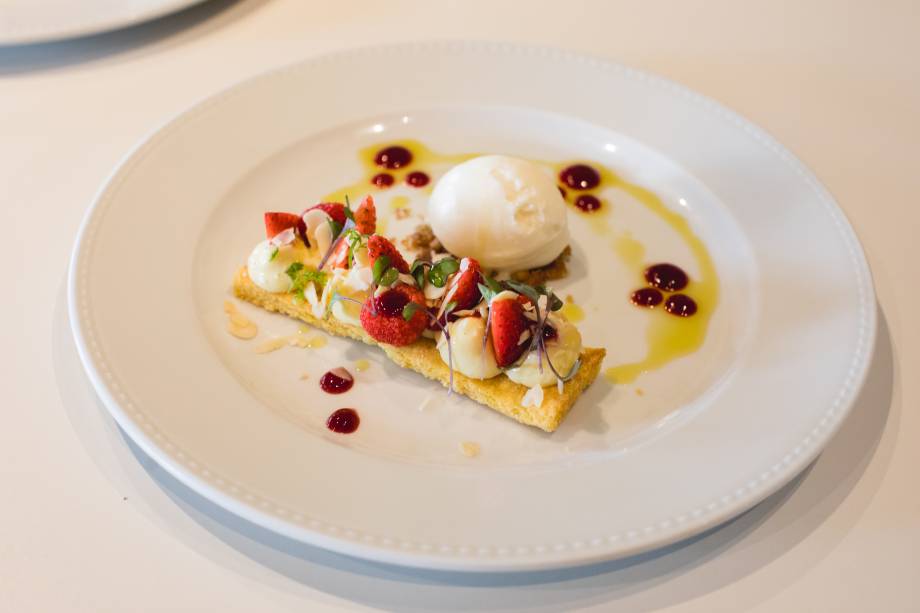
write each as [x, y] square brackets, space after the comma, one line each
[549, 333]
[417, 179]
[580, 176]
[563, 192]
[336, 381]
[391, 303]
[587, 203]
[393, 157]
[383, 180]
[343, 421]
[667, 277]
[646, 297]
[680, 305]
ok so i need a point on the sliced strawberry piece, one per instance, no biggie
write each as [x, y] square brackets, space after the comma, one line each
[335, 210]
[382, 316]
[378, 246]
[276, 223]
[508, 322]
[366, 216]
[466, 282]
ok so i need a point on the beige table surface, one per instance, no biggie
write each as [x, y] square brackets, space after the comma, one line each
[87, 525]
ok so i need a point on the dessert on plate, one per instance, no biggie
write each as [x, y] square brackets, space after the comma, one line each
[458, 317]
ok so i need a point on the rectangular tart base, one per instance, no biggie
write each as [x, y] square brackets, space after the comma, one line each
[499, 393]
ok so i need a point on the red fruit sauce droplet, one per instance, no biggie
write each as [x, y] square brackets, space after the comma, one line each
[587, 203]
[667, 277]
[383, 180]
[680, 305]
[549, 333]
[343, 421]
[391, 303]
[580, 176]
[646, 297]
[563, 192]
[417, 179]
[336, 381]
[393, 157]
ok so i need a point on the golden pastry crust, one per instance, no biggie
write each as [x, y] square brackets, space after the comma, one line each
[499, 393]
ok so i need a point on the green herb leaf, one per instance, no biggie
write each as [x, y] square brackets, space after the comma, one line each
[336, 228]
[494, 285]
[524, 290]
[450, 306]
[293, 269]
[487, 293]
[301, 277]
[554, 303]
[380, 266]
[273, 255]
[449, 265]
[417, 270]
[348, 212]
[389, 277]
[441, 270]
[410, 309]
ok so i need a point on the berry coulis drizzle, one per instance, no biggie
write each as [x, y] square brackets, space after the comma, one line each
[336, 381]
[343, 421]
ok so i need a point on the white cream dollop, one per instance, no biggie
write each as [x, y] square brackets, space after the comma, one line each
[466, 346]
[353, 283]
[267, 270]
[563, 351]
[505, 212]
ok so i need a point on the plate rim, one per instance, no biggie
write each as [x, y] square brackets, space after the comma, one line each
[667, 532]
[91, 27]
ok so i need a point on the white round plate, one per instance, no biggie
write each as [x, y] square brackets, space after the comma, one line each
[710, 435]
[38, 21]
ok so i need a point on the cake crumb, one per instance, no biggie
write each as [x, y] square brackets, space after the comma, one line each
[640, 391]
[557, 269]
[305, 376]
[470, 449]
[402, 213]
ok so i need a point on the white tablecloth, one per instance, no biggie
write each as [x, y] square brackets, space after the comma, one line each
[88, 524]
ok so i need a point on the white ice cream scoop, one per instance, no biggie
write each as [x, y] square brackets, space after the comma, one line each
[505, 212]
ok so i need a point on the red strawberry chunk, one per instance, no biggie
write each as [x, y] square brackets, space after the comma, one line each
[335, 210]
[366, 216]
[466, 282]
[382, 316]
[378, 246]
[508, 322]
[276, 223]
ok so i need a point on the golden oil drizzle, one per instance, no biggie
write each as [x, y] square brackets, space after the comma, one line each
[305, 338]
[630, 251]
[668, 337]
[362, 365]
[238, 324]
[572, 311]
